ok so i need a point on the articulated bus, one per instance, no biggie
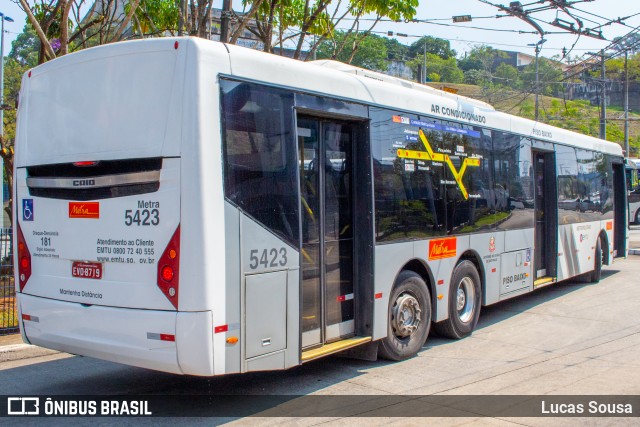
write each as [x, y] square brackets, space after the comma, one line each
[200, 208]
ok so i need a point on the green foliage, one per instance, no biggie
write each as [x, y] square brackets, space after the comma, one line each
[481, 58]
[13, 71]
[549, 76]
[435, 46]
[156, 16]
[25, 48]
[371, 52]
[396, 51]
[615, 68]
[478, 77]
[507, 76]
[446, 70]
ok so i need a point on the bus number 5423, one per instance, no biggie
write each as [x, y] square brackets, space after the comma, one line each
[141, 217]
[268, 258]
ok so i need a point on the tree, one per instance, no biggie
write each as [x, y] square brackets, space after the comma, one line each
[630, 42]
[64, 25]
[25, 48]
[370, 53]
[549, 76]
[615, 68]
[438, 69]
[13, 71]
[507, 76]
[313, 22]
[396, 51]
[434, 46]
[156, 17]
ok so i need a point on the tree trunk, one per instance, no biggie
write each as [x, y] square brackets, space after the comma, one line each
[123, 26]
[48, 50]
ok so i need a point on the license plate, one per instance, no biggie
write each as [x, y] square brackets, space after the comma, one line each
[86, 270]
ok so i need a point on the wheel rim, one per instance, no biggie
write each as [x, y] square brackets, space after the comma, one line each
[466, 299]
[406, 315]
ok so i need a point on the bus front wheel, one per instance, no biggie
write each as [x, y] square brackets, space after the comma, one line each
[465, 296]
[409, 318]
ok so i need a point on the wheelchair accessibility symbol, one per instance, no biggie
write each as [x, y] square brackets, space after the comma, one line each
[27, 209]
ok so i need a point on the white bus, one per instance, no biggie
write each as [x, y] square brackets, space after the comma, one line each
[633, 188]
[200, 208]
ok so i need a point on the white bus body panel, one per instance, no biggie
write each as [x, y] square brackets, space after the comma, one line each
[122, 335]
[129, 254]
[91, 105]
[114, 334]
[128, 100]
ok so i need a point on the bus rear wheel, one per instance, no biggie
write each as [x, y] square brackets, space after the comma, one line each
[465, 295]
[598, 261]
[409, 318]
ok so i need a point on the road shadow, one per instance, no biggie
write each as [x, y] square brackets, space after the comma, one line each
[503, 310]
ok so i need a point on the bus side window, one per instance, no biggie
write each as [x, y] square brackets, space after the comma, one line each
[260, 155]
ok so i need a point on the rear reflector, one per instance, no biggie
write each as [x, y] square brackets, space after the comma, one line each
[30, 318]
[160, 337]
[24, 260]
[222, 328]
[168, 268]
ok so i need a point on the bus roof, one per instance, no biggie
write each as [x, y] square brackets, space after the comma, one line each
[351, 83]
[329, 78]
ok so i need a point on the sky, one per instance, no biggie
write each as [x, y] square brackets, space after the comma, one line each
[462, 36]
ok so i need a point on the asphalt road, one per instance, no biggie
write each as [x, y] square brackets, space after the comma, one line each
[570, 338]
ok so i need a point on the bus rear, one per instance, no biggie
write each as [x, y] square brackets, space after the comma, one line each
[98, 208]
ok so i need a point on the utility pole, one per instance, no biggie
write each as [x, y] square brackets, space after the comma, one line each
[626, 104]
[538, 47]
[225, 17]
[603, 96]
[424, 66]
[537, 81]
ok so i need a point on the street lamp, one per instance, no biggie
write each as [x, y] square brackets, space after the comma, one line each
[538, 47]
[3, 18]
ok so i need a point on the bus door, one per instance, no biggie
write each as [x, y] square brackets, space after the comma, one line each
[546, 215]
[620, 224]
[329, 250]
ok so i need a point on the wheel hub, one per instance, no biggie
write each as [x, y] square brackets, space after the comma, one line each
[406, 315]
[462, 299]
[465, 300]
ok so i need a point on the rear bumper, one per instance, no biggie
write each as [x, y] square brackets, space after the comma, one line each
[121, 335]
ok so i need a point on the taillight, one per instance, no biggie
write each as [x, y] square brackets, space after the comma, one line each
[168, 268]
[85, 164]
[24, 260]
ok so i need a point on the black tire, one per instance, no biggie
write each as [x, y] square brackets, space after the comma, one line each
[637, 218]
[462, 321]
[405, 340]
[597, 266]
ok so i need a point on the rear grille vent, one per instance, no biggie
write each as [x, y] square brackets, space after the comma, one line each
[105, 179]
